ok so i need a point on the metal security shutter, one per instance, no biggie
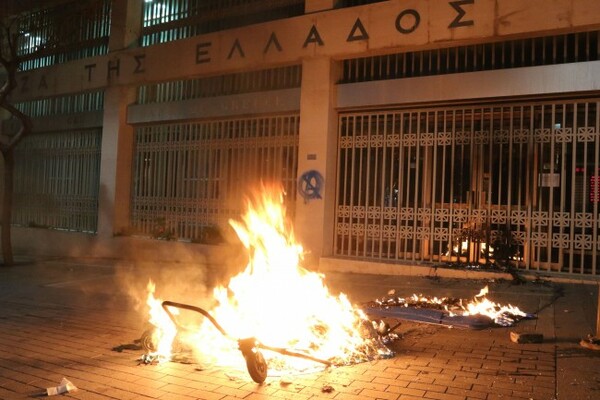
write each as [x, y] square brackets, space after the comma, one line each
[414, 184]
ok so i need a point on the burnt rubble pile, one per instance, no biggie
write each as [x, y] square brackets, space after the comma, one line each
[421, 301]
[478, 313]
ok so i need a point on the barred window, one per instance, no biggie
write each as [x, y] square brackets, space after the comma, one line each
[191, 178]
[57, 178]
[69, 31]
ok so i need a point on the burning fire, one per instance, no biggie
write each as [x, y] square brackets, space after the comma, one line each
[504, 315]
[163, 337]
[274, 300]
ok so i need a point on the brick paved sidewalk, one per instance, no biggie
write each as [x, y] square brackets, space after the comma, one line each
[60, 320]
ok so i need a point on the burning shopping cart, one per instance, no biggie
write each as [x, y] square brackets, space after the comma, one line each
[249, 347]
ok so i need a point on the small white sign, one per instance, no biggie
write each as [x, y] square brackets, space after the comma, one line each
[549, 180]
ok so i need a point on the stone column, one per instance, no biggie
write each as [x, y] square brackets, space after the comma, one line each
[126, 24]
[115, 162]
[117, 135]
[317, 151]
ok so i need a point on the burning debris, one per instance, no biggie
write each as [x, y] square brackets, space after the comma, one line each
[526, 337]
[477, 313]
[149, 359]
[591, 342]
[274, 305]
[327, 389]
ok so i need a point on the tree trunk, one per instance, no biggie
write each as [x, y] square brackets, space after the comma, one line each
[9, 168]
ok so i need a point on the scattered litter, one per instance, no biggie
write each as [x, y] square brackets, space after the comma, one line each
[327, 389]
[526, 337]
[233, 377]
[149, 359]
[285, 381]
[129, 346]
[591, 342]
[65, 386]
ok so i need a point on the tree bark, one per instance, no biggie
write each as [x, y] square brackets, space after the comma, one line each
[9, 167]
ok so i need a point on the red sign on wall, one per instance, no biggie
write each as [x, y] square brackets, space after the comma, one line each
[594, 189]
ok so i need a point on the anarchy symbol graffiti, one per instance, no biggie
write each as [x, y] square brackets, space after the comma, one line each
[310, 184]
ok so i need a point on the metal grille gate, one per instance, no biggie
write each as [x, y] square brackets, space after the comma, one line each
[191, 178]
[57, 176]
[412, 182]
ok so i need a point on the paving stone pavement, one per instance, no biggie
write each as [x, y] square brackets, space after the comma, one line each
[63, 318]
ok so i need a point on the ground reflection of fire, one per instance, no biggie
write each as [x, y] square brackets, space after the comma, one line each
[274, 300]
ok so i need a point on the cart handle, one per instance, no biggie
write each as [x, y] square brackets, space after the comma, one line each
[166, 304]
[241, 342]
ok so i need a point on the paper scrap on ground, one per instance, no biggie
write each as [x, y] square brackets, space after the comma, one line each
[64, 387]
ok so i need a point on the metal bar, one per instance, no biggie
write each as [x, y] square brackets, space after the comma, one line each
[167, 304]
[598, 313]
[595, 219]
[286, 352]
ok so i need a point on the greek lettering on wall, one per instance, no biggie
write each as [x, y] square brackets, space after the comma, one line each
[460, 19]
[358, 32]
[273, 41]
[404, 22]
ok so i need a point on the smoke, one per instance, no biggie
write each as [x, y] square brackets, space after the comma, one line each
[181, 272]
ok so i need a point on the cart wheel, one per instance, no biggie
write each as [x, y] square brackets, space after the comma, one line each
[147, 340]
[257, 366]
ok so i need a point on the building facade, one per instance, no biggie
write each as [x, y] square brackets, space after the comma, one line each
[403, 132]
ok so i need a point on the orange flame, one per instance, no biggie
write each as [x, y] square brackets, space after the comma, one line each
[278, 302]
[504, 315]
[500, 314]
[166, 332]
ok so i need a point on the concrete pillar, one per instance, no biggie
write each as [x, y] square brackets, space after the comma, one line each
[311, 6]
[126, 24]
[317, 151]
[117, 135]
[115, 162]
